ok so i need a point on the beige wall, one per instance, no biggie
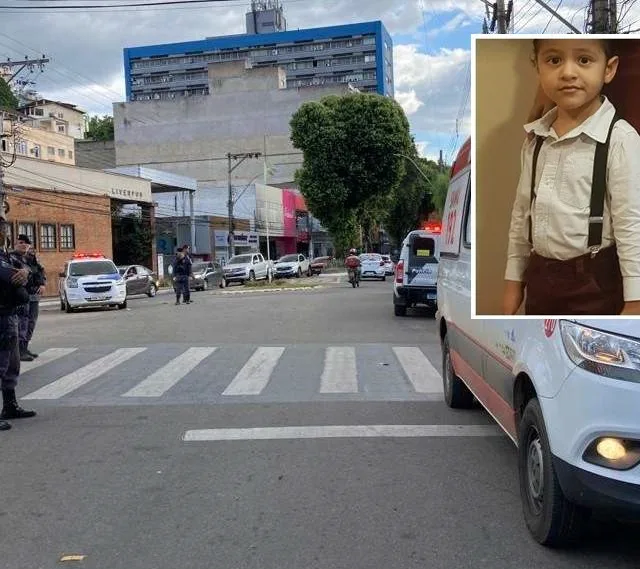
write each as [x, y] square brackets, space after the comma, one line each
[36, 143]
[74, 119]
[505, 87]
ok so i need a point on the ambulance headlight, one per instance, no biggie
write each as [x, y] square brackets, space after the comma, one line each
[602, 353]
[72, 282]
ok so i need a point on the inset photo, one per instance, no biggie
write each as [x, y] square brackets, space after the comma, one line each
[556, 180]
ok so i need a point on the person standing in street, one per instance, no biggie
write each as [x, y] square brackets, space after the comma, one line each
[13, 280]
[28, 313]
[35, 287]
[181, 272]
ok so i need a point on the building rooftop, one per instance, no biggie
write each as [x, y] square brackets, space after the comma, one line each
[39, 102]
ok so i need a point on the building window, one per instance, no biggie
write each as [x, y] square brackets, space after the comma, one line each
[60, 116]
[61, 152]
[28, 229]
[70, 154]
[47, 236]
[51, 150]
[39, 112]
[3, 145]
[67, 237]
[21, 147]
[61, 128]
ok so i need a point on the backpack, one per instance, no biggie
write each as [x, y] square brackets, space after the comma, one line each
[598, 188]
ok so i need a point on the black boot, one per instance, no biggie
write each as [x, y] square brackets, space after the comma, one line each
[30, 352]
[25, 356]
[4, 426]
[10, 407]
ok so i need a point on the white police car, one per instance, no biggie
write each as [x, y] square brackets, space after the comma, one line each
[566, 391]
[91, 280]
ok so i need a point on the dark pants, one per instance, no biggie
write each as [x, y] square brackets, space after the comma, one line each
[181, 286]
[9, 352]
[579, 286]
[27, 318]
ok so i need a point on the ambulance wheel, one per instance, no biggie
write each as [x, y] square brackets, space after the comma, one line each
[399, 310]
[67, 306]
[456, 393]
[122, 306]
[62, 307]
[550, 517]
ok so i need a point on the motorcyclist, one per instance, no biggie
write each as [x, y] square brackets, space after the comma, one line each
[353, 262]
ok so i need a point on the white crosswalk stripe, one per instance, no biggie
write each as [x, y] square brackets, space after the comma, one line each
[340, 374]
[168, 375]
[84, 375]
[46, 357]
[255, 374]
[420, 371]
[305, 372]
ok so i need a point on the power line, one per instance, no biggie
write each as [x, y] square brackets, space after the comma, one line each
[95, 6]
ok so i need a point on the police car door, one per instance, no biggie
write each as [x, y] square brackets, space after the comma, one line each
[423, 260]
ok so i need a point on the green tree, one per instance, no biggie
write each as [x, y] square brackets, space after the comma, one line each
[100, 128]
[350, 146]
[415, 198]
[7, 99]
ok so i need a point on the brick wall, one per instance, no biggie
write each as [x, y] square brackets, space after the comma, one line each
[89, 215]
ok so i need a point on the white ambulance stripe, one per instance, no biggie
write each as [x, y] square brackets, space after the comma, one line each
[420, 371]
[84, 375]
[339, 374]
[255, 374]
[168, 375]
[341, 431]
[46, 357]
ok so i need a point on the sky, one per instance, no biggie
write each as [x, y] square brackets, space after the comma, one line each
[432, 43]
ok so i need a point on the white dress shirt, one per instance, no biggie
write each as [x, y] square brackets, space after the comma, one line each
[560, 211]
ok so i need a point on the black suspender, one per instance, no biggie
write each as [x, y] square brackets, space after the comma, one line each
[598, 189]
[536, 153]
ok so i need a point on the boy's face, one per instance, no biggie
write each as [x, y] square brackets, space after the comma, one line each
[572, 72]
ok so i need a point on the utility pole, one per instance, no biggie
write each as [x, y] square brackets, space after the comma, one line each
[32, 64]
[501, 16]
[603, 17]
[240, 158]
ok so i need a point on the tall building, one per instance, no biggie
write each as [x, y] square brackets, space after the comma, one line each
[360, 55]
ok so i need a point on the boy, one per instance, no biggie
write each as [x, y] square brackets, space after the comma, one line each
[553, 256]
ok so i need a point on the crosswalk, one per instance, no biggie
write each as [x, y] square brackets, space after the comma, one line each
[174, 373]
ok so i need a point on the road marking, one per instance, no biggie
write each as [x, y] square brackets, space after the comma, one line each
[160, 381]
[423, 376]
[46, 357]
[342, 431]
[339, 374]
[255, 374]
[84, 375]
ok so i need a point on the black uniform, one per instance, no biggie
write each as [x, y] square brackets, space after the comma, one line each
[181, 273]
[11, 298]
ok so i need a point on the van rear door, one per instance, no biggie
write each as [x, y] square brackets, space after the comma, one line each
[423, 261]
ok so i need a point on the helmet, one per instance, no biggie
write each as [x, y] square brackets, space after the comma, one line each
[353, 252]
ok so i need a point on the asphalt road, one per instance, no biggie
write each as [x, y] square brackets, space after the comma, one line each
[108, 470]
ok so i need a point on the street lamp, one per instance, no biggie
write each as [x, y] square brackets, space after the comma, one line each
[416, 166]
[241, 157]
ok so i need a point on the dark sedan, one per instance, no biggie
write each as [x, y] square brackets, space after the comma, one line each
[205, 275]
[139, 280]
[319, 264]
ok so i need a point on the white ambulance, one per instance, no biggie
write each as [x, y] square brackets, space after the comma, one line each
[91, 279]
[567, 392]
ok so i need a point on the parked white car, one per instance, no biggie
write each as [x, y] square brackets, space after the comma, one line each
[246, 267]
[567, 392]
[372, 266]
[294, 265]
[91, 280]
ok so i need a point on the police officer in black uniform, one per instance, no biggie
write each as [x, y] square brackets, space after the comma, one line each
[13, 280]
[28, 314]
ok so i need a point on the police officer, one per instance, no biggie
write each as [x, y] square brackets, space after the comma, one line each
[35, 287]
[13, 280]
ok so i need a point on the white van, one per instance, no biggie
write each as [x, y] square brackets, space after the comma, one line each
[567, 392]
[417, 270]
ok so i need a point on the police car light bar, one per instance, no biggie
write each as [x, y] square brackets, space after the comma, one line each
[87, 256]
[433, 227]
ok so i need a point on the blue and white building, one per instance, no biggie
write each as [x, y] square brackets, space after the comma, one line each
[357, 54]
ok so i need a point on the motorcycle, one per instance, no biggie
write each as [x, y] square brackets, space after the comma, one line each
[354, 277]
